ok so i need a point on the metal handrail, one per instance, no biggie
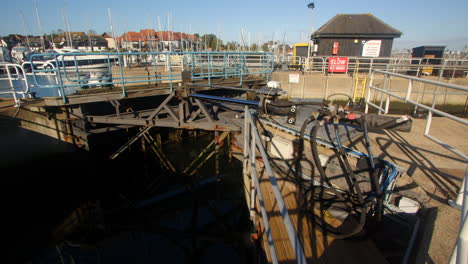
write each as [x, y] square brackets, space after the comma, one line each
[19, 71]
[211, 65]
[460, 251]
[256, 144]
[395, 64]
[431, 109]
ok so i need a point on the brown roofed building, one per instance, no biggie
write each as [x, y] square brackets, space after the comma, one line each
[144, 34]
[355, 35]
[133, 40]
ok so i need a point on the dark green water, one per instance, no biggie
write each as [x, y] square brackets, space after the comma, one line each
[203, 224]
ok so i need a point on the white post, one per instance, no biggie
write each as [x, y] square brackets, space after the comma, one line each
[303, 84]
[460, 251]
[309, 48]
[12, 87]
[369, 93]
[112, 29]
[410, 87]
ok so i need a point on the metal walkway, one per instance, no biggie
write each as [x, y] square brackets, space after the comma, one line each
[113, 76]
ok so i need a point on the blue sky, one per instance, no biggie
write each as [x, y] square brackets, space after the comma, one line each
[423, 22]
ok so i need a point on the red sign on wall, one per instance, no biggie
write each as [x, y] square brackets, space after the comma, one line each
[338, 64]
[335, 48]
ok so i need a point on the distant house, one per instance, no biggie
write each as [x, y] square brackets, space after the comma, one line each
[110, 41]
[354, 35]
[35, 43]
[92, 43]
[82, 41]
[150, 39]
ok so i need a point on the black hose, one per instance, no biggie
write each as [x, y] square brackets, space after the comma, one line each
[348, 171]
[315, 154]
[363, 208]
[372, 122]
[354, 200]
[298, 172]
[373, 171]
[347, 167]
[300, 149]
[318, 164]
[386, 125]
[350, 99]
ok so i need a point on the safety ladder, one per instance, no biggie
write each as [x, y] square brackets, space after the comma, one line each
[359, 87]
[359, 84]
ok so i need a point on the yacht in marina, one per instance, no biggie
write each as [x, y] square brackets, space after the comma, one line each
[70, 59]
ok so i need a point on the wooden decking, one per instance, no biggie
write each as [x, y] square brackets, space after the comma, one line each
[318, 246]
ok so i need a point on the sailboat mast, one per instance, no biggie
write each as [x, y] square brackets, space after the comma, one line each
[69, 31]
[28, 44]
[160, 31]
[217, 38]
[156, 37]
[65, 26]
[181, 37]
[112, 29]
[148, 36]
[89, 33]
[40, 27]
[284, 46]
[168, 31]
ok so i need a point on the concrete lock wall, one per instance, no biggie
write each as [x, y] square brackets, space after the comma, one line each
[318, 85]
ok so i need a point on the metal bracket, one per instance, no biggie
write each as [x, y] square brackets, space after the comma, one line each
[217, 142]
[161, 106]
[116, 105]
[205, 112]
[130, 142]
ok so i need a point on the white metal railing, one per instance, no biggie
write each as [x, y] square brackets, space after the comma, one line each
[406, 65]
[72, 74]
[386, 92]
[252, 143]
[16, 80]
[315, 64]
[460, 252]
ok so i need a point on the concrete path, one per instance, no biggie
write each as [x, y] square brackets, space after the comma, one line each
[437, 171]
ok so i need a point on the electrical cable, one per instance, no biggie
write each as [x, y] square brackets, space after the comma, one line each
[352, 199]
[350, 202]
[339, 197]
[373, 171]
[350, 101]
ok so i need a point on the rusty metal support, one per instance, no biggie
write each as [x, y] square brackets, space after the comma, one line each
[218, 179]
[171, 113]
[157, 149]
[161, 106]
[130, 142]
[116, 105]
[182, 113]
[132, 121]
[203, 109]
[217, 141]
[194, 115]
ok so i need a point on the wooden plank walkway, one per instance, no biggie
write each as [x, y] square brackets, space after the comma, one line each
[318, 247]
